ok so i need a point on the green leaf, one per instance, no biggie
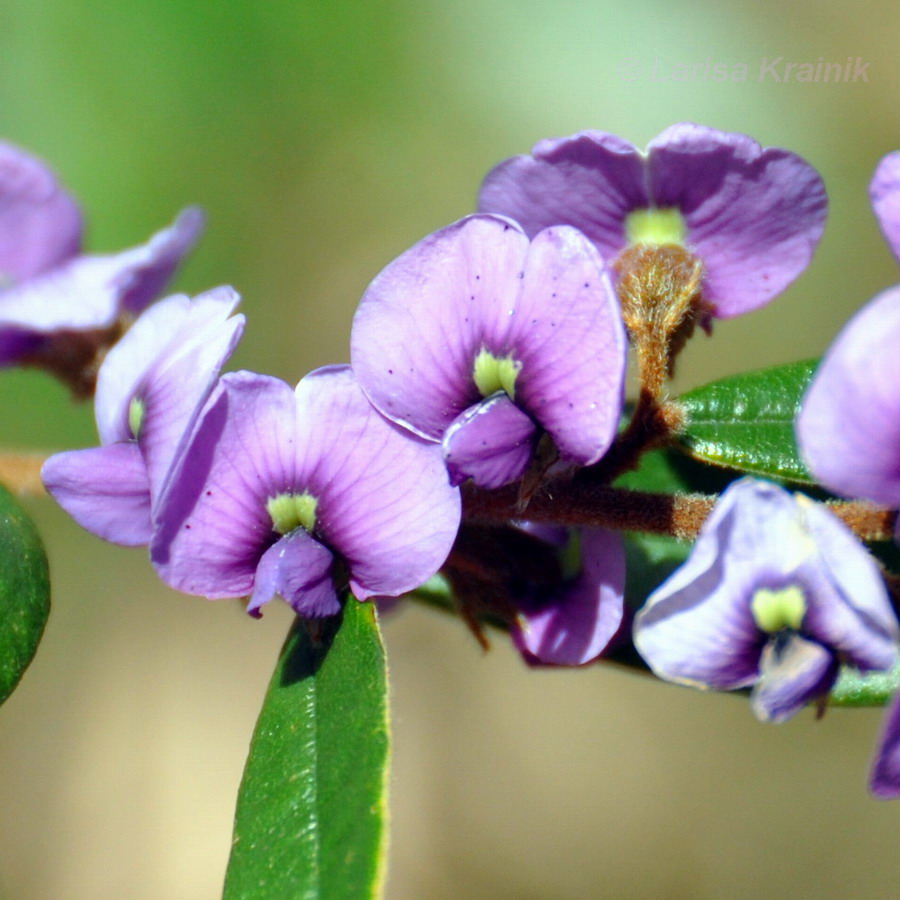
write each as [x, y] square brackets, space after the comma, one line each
[311, 813]
[855, 688]
[24, 592]
[746, 422]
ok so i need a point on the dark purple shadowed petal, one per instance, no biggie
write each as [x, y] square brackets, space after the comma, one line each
[426, 316]
[884, 192]
[569, 337]
[793, 671]
[385, 502]
[492, 443]
[848, 429]
[591, 180]
[884, 780]
[40, 222]
[576, 627]
[298, 568]
[754, 215]
[105, 490]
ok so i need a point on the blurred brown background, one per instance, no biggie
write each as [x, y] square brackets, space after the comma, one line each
[323, 142]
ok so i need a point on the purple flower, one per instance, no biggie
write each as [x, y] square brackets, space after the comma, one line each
[576, 624]
[776, 594]
[47, 286]
[300, 493]
[753, 216]
[480, 339]
[884, 779]
[150, 389]
[848, 429]
[884, 192]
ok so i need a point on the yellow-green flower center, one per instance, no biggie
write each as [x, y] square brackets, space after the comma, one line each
[136, 416]
[774, 611]
[290, 511]
[656, 226]
[492, 374]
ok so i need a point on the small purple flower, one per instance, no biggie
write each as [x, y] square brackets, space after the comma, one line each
[848, 429]
[776, 594]
[150, 389]
[299, 493]
[480, 339]
[753, 216]
[47, 286]
[577, 623]
[884, 192]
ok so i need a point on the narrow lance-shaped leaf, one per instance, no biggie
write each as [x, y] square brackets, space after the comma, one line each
[311, 813]
[24, 592]
[746, 422]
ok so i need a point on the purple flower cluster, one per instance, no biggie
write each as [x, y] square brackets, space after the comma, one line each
[491, 352]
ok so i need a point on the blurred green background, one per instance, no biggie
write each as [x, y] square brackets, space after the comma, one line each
[323, 141]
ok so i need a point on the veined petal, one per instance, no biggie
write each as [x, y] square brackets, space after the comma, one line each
[576, 627]
[848, 429]
[40, 222]
[754, 216]
[569, 337]
[105, 490]
[426, 316]
[212, 521]
[298, 568]
[793, 671]
[884, 192]
[591, 180]
[491, 443]
[885, 778]
[385, 503]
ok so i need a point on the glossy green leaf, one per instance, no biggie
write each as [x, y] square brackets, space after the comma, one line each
[746, 422]
[311, 814]
[24, 592]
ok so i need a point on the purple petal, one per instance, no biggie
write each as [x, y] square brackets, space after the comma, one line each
[568, 335]
[299, 569]
[754, 216]
[212, 522]
[40, 223]
[848, 607]
[426, 316]
[885, 778]
[884, 191]
[105, 489]
[576, 627]
[591, 180]
[89, 292]
[848, 429]
[491, 443]
[793, 671]
[385, 503]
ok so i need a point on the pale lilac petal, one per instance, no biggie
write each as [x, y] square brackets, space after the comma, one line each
[105, 490]
[884, 192]
[569, 337]
[885, 777]
[591, 180]
[793, 671]
[213, 525]
[385, 502]
[848, 429]
[852, 614]
[576, 627]
[89, 292]
[491, 443]
[425, 317]
[754, 216]
[298, 568]
[40, 222]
